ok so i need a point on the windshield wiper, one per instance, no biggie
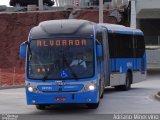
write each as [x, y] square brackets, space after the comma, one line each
[45, 77]
[29, 50]
[71, 70]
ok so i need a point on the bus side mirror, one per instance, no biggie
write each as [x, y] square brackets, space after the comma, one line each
[99, 50]
[23, 47]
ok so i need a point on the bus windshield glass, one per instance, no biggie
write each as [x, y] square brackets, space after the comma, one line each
[59, 59]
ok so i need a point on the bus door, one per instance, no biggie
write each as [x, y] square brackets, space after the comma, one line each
[106, 60]
[100, 60]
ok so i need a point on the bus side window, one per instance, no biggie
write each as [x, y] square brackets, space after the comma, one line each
[140, 46]
[111, 45]
[120, 46]
[126, 46]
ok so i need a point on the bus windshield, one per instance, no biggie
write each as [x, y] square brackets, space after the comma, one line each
[60, 59]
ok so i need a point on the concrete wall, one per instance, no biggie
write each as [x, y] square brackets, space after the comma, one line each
[153, 58]
[150, 27]
[141, 4]
[85, 3]
[151, 54]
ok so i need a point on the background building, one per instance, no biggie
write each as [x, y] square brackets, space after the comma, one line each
[85, 3]
[148, 20]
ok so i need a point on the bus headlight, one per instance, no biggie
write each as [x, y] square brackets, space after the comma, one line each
[30, 89]
[91, 87]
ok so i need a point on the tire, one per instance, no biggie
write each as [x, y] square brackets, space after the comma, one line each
[127, 85]
[40, 107]
[93, 105]
[101, 92]
[102, 95]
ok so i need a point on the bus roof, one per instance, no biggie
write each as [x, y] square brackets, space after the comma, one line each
[69, 27]
[112, 28]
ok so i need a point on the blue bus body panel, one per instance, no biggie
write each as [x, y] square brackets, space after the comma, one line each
[50, 98]
[120, 64]
[73, 93]
[112, 28]
[126, 32]
[72, 88]
[64, 88]
[123, 64]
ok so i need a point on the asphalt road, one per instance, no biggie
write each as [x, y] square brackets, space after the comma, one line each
[139, 100]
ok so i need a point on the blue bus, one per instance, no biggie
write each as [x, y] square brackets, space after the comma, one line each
[127, 56]
[72, 61]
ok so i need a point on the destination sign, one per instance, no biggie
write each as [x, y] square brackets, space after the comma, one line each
[57, 43]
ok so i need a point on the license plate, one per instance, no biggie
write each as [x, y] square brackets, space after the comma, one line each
[60, 98]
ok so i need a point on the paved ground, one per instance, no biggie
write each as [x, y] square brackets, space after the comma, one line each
[140, 99]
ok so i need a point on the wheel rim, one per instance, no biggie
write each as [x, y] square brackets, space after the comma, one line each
[128, 82]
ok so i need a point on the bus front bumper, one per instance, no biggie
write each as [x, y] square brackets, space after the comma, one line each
[62, 98]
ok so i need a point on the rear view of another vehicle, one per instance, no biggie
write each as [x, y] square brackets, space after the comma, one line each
[24, 3]
[15, 3]
[48, 2]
